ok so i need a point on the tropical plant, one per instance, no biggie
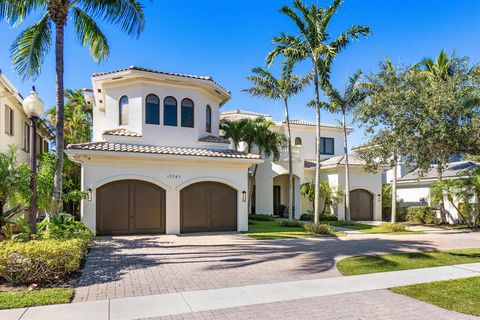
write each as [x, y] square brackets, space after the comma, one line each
[307, 190]
[14, 185]
[265, 85]
[234, 130]
[28, 51]
[442, 68]
[352, 97]
[332, 196]
[314, 43]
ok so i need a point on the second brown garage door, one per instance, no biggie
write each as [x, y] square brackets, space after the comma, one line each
[208, 206]
[130, 207]
[361, 205]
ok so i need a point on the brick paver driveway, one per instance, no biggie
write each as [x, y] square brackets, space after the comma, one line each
[143, 265]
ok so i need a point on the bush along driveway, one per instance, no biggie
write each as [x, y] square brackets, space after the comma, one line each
[460, 295]
[43, 270]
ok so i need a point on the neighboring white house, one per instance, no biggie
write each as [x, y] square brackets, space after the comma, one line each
[413, 189]
[271, 189]
[15, 125]
[157, 163]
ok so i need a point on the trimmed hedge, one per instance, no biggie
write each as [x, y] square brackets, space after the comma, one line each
[393, 227]
[320, 229]
[400, 217]
[322, 217]
[420, 214]
[40, 261]
[260, 217]
[290, 223]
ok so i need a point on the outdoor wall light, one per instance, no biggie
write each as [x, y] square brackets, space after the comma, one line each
[244, 196]
[89, 194]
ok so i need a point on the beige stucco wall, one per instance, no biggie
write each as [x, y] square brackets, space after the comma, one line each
[172, 174]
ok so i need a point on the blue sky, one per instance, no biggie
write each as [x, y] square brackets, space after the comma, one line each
[225, 39]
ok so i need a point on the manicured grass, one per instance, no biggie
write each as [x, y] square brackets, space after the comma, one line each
[461, 295]
[366, 228]
[273, 230]
[404, 261]
[26, 298]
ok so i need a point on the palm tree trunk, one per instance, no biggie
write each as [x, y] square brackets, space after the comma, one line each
[443, 215]
[251, 188]
[60, 117]
[347, 169]
[317, 151]
[394, 189]
[2, 218]
[290, 166]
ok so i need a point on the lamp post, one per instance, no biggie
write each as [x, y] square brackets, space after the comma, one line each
[33, 107]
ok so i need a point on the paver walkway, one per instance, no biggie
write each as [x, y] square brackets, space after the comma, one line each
[144, 265]
[199, 303]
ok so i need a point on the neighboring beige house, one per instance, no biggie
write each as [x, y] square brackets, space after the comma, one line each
[15, 125]
[157, 163]
[271, 190]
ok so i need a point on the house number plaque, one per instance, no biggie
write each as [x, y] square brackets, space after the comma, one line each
[173, 176]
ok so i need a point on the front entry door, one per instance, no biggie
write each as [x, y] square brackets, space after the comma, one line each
[361, 205]
[276, 201]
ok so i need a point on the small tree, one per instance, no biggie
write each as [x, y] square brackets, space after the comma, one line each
[234, 130]
[14, 185]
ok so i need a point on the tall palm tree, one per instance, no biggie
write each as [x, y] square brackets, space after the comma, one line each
[314, 43]
[351, 98]
[443, 67]
[32, 45]
[265, 85]
[234, 130]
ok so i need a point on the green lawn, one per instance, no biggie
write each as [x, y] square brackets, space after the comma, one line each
[404, 261]
[25, 298]
[461, 295]
[366, 228]
[273, 230]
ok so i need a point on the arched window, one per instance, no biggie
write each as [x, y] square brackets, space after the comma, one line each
[152, 109]
[298, 141]
[170, 111]
[187, 113]
[208, 119]
[123, 111]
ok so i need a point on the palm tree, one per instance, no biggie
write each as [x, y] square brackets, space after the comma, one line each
[234, 130]
[32, 45]
[314, 43]
[344, 103]
[443, 67]
[331, 195]
[269, 87]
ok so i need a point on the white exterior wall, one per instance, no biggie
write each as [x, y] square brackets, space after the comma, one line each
[307, 134]
[372, 182]
[156, 134]
[99, 170]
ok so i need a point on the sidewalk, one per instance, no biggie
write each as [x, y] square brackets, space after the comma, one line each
[204, 300]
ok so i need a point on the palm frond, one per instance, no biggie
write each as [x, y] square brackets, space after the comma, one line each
[90, 35]
[14, 12]
[31, 47]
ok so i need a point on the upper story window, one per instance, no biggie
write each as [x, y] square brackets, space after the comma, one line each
[327, 146]
[170, 111]
[123, 110]
[152, 109]
[26, 137]
[187, 113]
[208, 119]
[9, 120]
[298, 141]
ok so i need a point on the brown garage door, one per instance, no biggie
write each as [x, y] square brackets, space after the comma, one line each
[208, 206]
[361, 205]
[130, 207]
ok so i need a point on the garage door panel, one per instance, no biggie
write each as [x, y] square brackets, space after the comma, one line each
[149, 204]
[361, 205]
[111, 202]
[129, 207]
[208, 206]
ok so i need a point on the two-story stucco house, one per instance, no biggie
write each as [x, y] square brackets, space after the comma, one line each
[15, 125]
[271, 189]
[157, 163]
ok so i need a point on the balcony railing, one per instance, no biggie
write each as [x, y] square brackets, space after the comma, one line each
[296, 153]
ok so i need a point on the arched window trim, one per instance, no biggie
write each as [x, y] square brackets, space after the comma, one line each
[165, 117]
[123, 120]
[208, 119]
[158, 109]
[184, 109]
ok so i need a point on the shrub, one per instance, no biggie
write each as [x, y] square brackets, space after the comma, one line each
[393, 227]
[387, 214]
[320, 229]
[322, 217]
[290, 223]
[64, 227]
[260, 217]
[419, 214]
[39, 261]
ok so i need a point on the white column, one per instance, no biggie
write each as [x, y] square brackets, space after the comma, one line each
[298, 197]
[172, 216]
[264, 192]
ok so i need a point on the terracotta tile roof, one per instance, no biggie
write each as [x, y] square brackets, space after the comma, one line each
[309, 163]
[183, 151]
[245, 112]
[183, 75]
[214, 139]
[353, 160]
[314, 123]
[123, 132]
